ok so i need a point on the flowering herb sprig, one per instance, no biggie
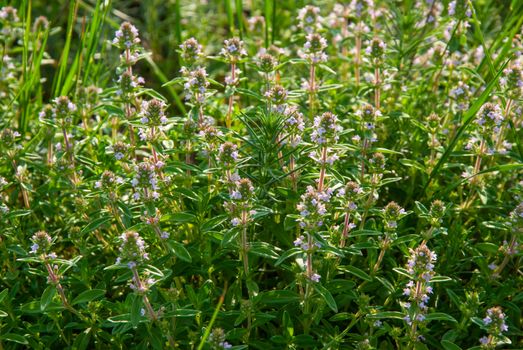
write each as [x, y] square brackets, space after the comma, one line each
[494, 323]
[434, 217]
[359, 29]
[276, 99]
[314, 53]
[63, 113]
[367, 117]
[391, 214]
[376, 52]
[433, 124]
[41, 247]
[267, 63]
[240, 209]
[191, 52]
[86, 101]
[9, 146]
[292, 135]
[128, 41]
[228, 156]
[489, 119]
[194, 77]
[217, 340]
[233, 52]
[152, 116]
[310, 19]
[325, 134]
[313, 211]
[145, 182]
[511, 248]
[349, 196]
[108, 186]
[133, 254]
[376, 171]
[420, 267]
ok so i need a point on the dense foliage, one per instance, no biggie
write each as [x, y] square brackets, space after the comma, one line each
[261, 174]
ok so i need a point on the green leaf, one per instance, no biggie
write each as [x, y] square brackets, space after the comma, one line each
[438, 279]
[3, 294]
[387, 314]
[448, 345]
[264, 249]
[93, 225]
[326, 295]
[402, 271]
[136, 310]
[421, 209]
[287, 324]
[366, 233]
[47, 296]
[182, 217]
[356, 272]
[180, 251]
[16, 338]
[3, 314]
[488, 247]
[288, 254]
[440, 316]
[88, 295]
[278, 297]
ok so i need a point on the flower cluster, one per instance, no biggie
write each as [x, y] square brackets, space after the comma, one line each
[241, 202]
[8, 138]
[10, 21]
[152, 115]
[314, 49]
[277, 95]
[459, 8]
[228, 155]
[108, 183]
[127, 85]
[63, 110]
[312, 208]
[310, 20]
[210, 137]
[391, 214]
[145, 181]
[420, 267]
[127, 40]
[326, 129]
[512, 80]
[233, 50]
[489, 118]
[191, 51]
[376, 50]
[461, 96]
[195, 85]
[217, 340]
[153, 220]
[126, 37]
[42, 243]
[132, 249]
[294, 126]
[436, 213]
[495, 324]
[266, 62]
[119, 150]
[516, 217]
[349, 195]
[367, 117]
